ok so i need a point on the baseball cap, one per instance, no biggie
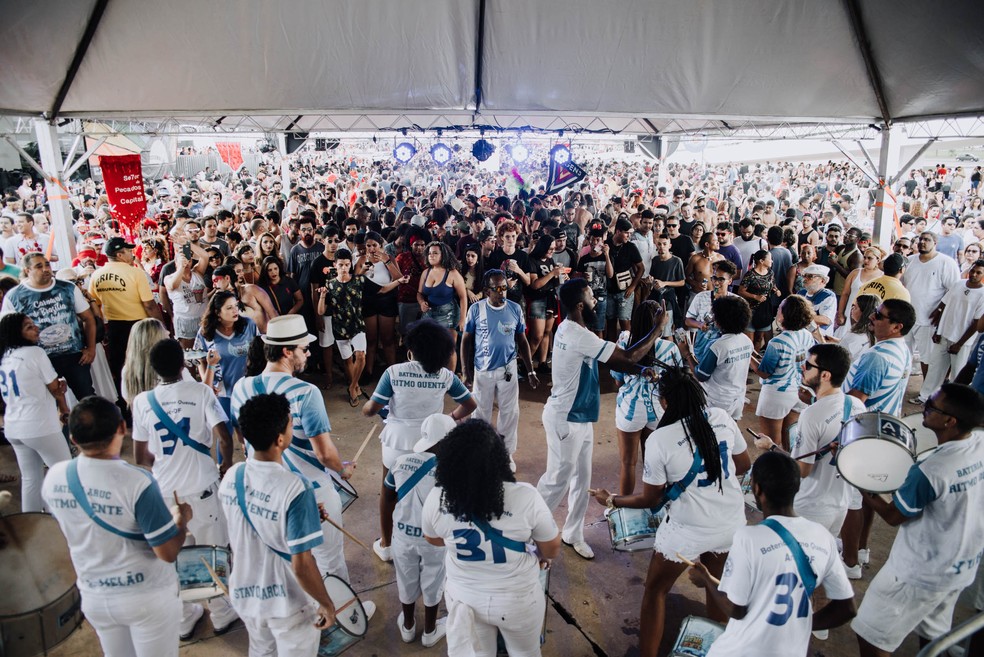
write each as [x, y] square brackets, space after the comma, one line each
[115, 245]
[818, 270]
[893, 264]
[433, 430]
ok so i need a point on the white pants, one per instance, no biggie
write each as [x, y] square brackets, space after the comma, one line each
[419, 570]
[32, 455]
[141, 625]
[920, 343]
[208, 527]
[940, 360]
[330, 555]
[569, 448]
[295, 636]
[491, 385]
[473, 620]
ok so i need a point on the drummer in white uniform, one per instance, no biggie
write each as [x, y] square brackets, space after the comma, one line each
[122, 538]
[723, 369]
[772, 569]
[276, 584]
[419, 565]
[940, 542]
[173, 425]
[693, 460]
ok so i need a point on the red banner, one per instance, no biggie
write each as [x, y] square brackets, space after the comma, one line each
[125, 189]
[231, 153]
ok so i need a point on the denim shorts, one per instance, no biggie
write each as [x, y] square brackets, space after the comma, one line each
[445, 315]
[602, 310]
[542, 308]
[619, 307]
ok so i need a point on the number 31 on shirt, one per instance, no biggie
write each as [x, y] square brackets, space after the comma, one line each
[470, 550]
[786, 585]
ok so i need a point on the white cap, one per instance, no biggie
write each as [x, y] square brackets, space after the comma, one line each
[433, 430]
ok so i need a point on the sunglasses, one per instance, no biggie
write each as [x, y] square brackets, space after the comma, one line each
[498, 288]
[929, 408]
[879, 315]
[305, 350]
[332, 241]
[672, 225]
[718, 279]
[807, 365]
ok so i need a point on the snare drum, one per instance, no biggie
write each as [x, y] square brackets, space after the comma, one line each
[876, 451]
[193, 577]
[633, 530]
[41, 606]
[346, 491]
[925, 438]
[696, 636]
[351, 623]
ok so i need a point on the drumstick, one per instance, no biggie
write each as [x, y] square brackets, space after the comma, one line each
[693, 565]
[215, 576]
[365, 443]
[348, 534]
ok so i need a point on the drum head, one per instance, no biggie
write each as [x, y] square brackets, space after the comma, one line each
[195, 581]
[195, 354]
[875, 466]
[37, 567]
[696, 637]
[925, 438]
[632, 530]
[352, 619]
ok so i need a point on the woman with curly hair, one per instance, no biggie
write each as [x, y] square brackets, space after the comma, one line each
[702, 450]
[35, 405]
[637, 410]
[440, 287]
[498, 534]
[780, 368]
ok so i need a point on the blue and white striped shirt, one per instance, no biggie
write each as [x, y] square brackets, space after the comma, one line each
[783, 358]
[882, 373]
[636, 393]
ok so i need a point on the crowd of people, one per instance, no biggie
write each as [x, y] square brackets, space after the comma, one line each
[221, 319]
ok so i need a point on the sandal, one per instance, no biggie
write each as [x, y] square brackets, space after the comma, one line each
[354, 401]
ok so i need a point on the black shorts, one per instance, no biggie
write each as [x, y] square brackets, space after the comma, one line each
[379, 304]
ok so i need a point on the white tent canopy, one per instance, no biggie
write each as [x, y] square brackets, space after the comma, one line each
[632, 66]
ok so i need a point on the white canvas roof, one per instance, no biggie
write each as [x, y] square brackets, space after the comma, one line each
[634, 66]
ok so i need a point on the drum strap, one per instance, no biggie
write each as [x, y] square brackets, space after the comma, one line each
[75, 488]
[241, 498]
[415, 478]
[807, 576]
[676, 490]
[844, 418]
[493, 535]
[174, 428]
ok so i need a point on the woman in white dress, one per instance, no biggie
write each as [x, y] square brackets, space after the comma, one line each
[36, 406]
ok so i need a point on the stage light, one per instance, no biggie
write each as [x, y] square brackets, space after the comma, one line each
[440, 153]
[404, 152]
[560, 154]
[519, 153]
[482, 150]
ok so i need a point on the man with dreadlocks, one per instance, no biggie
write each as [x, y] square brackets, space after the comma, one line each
[694, 459]
[575, 401]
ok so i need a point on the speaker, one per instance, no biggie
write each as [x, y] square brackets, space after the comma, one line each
[651, 146]
[295, 140]
[629, 146]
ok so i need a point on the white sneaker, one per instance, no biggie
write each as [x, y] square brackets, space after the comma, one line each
[853, 572]
[430, 639]
[384, 553]
[917, 400]
[407, 635]
[188, 624]
[370, 608]
[864, 556]
[582, 548]
[821, 635]
[222, 620]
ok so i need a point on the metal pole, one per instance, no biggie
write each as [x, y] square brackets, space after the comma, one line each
[888, 161]
[61, 211]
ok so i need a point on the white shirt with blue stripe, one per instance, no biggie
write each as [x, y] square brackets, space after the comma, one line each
[636, 393]
[284, 516]
[942, 544]
[882, 373]
[412, 394]
[495, 331]
[576, 395]
[783, 359]
[307, 414]
[128, 499]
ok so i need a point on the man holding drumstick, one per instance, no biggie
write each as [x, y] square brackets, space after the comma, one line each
[940, 542]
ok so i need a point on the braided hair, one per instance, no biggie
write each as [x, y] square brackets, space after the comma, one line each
[686, 403]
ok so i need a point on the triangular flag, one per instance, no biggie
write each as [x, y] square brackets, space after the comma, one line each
[563, 175]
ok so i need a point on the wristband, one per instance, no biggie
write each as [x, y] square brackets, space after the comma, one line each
[610, 502]
[774, 447]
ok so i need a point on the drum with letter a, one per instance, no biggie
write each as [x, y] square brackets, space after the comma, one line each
[696, 636]
[633, 530]
[351, 623]
[876, 451]
[194, 579]
[40, 605]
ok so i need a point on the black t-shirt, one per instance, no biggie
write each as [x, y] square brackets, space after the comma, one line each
[549, 289]
[668, 271]
[322, 271]
[687, 227]
[624, 257]
[495, 260]
[597, 278]
[682, 246]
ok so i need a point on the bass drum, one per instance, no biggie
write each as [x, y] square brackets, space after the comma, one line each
[875, 452]
[41, 606]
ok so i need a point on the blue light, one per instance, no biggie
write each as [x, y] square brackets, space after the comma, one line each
[519, 153]
[560, 154]
[404, 152]
[440, 153]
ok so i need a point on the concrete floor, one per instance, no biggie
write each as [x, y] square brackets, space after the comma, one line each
[593, 607]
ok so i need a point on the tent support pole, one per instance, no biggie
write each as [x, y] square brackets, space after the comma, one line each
[480, 49]
[864, 45]
[855, 162]
[911, 161]
[73, 68]
[888, 160]
[61, 213]
[83, 158]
